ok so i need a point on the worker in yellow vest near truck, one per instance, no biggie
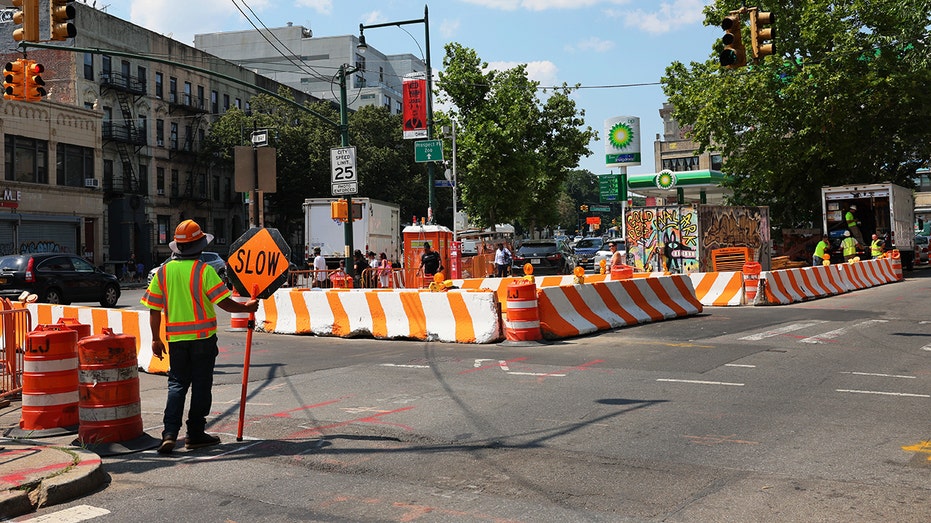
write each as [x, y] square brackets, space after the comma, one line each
[848, 246]
[185, 290]
[853, 224]
[876, 247]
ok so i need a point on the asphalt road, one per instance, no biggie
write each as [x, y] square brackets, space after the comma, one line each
[809, 412]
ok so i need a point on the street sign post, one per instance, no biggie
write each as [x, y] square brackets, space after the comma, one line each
[344, 180]
[428, 151]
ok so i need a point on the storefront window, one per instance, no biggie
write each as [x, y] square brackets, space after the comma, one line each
[74, 164]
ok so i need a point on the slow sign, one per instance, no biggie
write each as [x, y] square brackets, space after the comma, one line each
[259, 259]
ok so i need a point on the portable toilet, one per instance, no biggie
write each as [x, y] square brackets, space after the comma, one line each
[415, 236]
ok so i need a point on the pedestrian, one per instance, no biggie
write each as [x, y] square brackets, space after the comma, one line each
[384, 274]
[339, 278]
[371, 276]
[359, 265]
[876, 247]
[319, 267]
[616, 258]
[131, 267]
[848, 246]
[853, 224]
[821, 249]
[185, 290]
[140, 270]
[430, 261]
[503, 261]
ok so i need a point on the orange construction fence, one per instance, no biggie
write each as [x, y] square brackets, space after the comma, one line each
[14, 325]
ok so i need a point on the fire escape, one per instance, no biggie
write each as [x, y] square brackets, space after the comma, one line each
[126, 137]
[185, 137]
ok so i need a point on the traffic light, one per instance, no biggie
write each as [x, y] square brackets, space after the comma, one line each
[583, 208]
[61, 13]
[761, 33]
[14, 79]
[733, 55]
[28, 18]
[35, 85]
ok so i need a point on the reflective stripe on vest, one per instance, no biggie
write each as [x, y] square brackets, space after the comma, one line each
[187, 315]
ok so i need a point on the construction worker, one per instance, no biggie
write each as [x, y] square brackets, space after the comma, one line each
[853, 224]
[848, 246]
[185, 290]
[820, 250]
[876, 247]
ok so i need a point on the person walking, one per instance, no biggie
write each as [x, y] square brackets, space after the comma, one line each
[384, 271]
[502, 261]
[185, 291]
[823, 247]
[320, 271]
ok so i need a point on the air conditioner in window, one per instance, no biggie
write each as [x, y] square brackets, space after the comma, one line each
[91, 182]
[161, 192]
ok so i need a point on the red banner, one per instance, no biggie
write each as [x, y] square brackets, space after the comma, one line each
[415, 105]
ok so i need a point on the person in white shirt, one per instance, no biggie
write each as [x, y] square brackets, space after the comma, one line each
[320, 273]
[502, 261]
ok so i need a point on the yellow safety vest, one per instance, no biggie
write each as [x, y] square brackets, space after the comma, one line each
[186, 290]
[849, 245]
[876, 248]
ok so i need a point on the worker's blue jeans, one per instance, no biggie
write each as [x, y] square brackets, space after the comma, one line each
[192, 363]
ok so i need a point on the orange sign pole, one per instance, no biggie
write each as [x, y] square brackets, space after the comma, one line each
[245, 366]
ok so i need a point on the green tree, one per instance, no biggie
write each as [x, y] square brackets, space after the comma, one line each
[514, 150]
[843, 100]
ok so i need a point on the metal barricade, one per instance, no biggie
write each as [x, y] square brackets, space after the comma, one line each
[308, 279]
[14, 325]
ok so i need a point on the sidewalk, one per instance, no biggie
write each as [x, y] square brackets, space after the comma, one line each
[42, 471]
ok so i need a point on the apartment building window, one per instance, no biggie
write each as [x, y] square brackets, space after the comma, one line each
[175, 183]
[25, 159]
[74, 163]
[105, 66]
[160, 132]
[219, 228]
[239, 104]
[398, 108]
[214, 102]
[216, 188]
[388, 103]
[108, 173]
[142, 76]
[124, 73]
[172, 89]
[160, 181]
[163, 234]
[200, 97]
[173, 137]
[187, 94]
[227, 189]
[226, 102]
[359, 78]
[143, 128]
[159, 80]
[88, 66]
[717, 162]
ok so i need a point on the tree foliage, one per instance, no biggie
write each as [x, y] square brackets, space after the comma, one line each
[844, 100]
[514, 150]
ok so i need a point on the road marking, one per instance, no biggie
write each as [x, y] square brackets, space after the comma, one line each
[740, 365]
[880, 375]
[903, 394]
[71, 515]
[782, 330]
[405, 366]
[830, 335]
[924, 446]
[926, 347]
[699, 382]
[716, 439]
[547, 374]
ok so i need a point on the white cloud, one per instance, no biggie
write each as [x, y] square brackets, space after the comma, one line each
[544, 71]
[321, 6]
[375, 17]
[668, 17]
[449, 28]
[593, 44]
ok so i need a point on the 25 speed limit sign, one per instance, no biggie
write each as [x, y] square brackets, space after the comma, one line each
[343, 162]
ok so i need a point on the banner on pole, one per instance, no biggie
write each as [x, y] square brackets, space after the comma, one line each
[414, 90]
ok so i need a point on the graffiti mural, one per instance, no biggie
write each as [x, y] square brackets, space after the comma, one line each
[723, 226]
[41, 247]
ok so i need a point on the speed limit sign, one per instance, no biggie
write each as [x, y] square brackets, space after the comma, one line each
[343, 162]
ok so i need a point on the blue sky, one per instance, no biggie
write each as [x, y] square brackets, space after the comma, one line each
[600, 44]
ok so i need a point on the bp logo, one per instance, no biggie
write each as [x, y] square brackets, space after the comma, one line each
[621, 135]
[665, 179]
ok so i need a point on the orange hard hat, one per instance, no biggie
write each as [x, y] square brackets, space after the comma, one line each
[189, 239]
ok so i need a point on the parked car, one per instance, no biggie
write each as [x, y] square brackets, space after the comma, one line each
[921, 249]
[585, 250]
[605, 253]
[545, 256]
[211, 258]
[57, 278]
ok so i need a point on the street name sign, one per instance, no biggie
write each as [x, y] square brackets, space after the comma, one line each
[428, 151]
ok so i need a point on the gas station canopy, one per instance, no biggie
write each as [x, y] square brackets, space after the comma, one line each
[681, 186]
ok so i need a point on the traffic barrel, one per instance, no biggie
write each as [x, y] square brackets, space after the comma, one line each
[109, 398]
[621, 272]
[523, 316]
[239, 321]
[50, 380]
[751, 274]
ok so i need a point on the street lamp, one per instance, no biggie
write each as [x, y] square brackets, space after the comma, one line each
[451, 175]
[426, 28]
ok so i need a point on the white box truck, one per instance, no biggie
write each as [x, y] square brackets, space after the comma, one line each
[378, 230]
[885, 209]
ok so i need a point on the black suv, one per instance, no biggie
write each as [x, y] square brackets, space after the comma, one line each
[545, 256]
[57, 278]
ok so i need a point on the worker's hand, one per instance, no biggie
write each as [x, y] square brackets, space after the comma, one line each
[158, 348]
[252, 305]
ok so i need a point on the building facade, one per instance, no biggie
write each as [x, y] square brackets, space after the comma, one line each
[292, 56]
[124, 121]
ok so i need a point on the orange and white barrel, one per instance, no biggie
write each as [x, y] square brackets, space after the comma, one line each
[50, 379]
[239, 321]
[109, 399]
[621, 272]
[751, 273]
[522, 321]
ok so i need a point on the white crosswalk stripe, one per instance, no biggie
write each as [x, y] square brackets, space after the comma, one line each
[782, 330]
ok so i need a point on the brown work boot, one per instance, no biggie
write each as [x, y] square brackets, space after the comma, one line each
[200, 441]
[168, 443]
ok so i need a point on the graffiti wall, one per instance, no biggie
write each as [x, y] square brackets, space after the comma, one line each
[680, 238]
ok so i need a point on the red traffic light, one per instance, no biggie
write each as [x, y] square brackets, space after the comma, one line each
[34, 90]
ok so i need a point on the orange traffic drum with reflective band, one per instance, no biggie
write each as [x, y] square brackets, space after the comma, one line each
[50, 379]
[110, 408]
[522, 321]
